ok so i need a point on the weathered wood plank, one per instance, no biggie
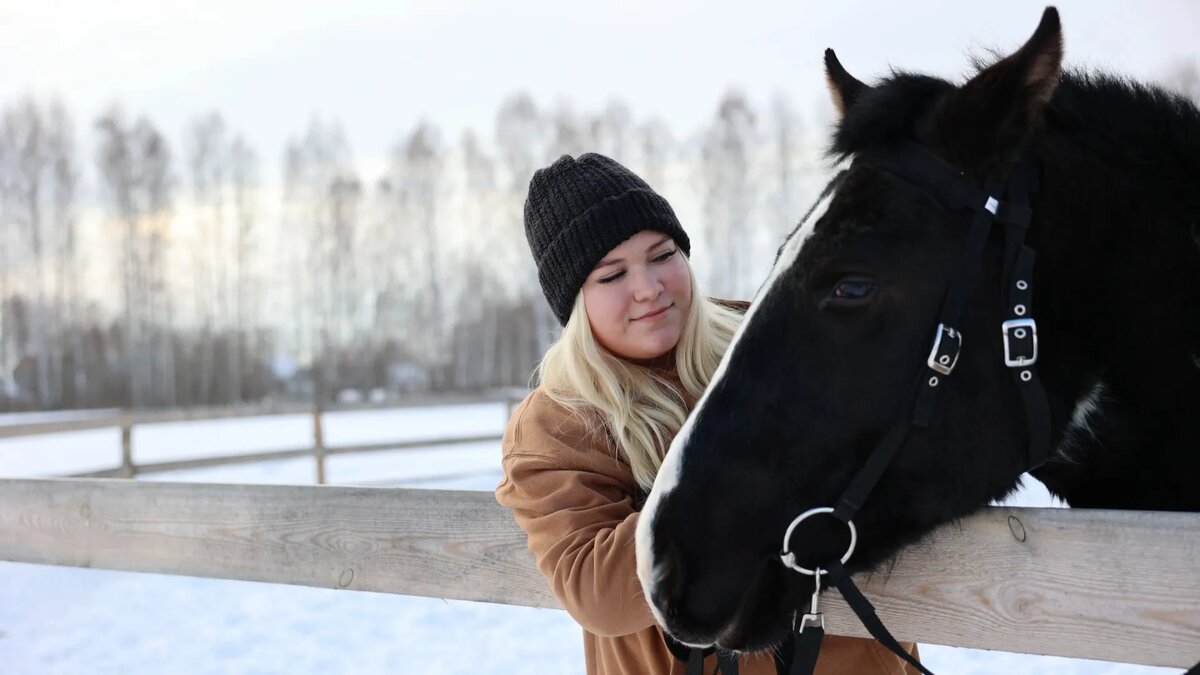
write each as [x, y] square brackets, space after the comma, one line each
[1114, 585]
[433, 543]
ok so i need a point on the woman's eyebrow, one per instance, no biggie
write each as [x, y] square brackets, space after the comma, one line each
[658, 243]
[614, 261]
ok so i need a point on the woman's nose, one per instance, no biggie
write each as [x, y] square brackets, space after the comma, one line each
[646, 286]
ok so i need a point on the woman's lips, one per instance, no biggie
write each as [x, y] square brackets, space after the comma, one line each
[657, 312]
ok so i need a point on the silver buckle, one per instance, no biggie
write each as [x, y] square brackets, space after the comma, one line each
[1014, 326]
[944, 363]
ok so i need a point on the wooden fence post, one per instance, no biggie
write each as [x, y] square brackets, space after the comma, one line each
[127, 468]
[319, 444]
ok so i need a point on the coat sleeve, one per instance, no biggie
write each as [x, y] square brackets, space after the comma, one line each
[575, 502]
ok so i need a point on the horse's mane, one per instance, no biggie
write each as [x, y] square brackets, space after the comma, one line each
[1139, 122]
[1104, 113]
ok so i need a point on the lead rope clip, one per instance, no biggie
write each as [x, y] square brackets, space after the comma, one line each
[814, 617]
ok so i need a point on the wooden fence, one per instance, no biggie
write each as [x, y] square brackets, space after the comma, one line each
[319, 450]
[1113, 585]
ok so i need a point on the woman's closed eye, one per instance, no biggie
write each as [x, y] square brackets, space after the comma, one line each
[658, 258]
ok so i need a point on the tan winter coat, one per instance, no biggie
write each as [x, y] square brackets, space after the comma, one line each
[575, 497]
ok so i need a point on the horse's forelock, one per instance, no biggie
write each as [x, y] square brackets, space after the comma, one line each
[889, 112]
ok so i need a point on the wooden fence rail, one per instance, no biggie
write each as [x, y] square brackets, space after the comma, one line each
[1113, 585]
[318, 452]
[137, 418]
[128, 468]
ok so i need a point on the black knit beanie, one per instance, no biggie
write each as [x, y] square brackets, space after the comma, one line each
[580, 209]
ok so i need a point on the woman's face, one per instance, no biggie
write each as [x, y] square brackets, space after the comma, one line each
[637, 296]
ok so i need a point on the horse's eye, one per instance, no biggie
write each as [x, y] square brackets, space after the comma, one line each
[855, 289]
[850, 291]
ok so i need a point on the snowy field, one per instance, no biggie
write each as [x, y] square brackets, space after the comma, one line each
[67, 620]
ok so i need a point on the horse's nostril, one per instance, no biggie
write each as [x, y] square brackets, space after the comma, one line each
[682, 600]
[669, 581]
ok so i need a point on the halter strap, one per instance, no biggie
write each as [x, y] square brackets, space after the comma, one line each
[953, 190]
[920, 167]
[727, 662]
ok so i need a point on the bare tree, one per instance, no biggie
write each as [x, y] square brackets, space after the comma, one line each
[787, 165]
[729, 194]
[156, 184]
[344, 200]
[415, 175]
[134, 163]
[383, 257]
[520, 139]
[323, 194]
[38, 179]
[7, 239]
[207, 161]
[64, 172]
[295, 228]
[520, 135]
[118, 172]
[26, 172]
[243, 165]
[475, 341]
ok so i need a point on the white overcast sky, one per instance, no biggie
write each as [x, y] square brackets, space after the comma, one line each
[379, 67]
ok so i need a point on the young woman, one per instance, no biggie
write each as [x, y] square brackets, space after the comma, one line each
[638, 346]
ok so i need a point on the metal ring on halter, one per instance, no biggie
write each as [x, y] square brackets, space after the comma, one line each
[789, 558]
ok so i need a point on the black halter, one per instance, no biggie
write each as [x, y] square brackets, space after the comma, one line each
[1007, 203]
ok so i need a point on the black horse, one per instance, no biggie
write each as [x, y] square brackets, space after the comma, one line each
[827, 357]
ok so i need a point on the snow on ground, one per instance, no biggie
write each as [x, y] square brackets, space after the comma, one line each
[59, 620]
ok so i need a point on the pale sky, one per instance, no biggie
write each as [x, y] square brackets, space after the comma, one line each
[379, 67]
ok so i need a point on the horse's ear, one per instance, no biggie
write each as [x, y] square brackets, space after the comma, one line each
[1002, 104]
[843, 86]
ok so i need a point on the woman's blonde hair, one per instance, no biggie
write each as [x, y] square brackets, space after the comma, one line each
[639, 407]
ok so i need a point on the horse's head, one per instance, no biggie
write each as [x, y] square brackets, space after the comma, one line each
[826, 360]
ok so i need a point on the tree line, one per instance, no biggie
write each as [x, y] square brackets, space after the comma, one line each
[204, 283]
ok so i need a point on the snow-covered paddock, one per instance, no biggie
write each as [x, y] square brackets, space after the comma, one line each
[68, 620]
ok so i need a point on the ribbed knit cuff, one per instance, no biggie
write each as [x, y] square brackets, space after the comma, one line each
[574, 252]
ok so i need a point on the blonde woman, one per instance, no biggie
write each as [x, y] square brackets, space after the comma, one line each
[637, 348]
